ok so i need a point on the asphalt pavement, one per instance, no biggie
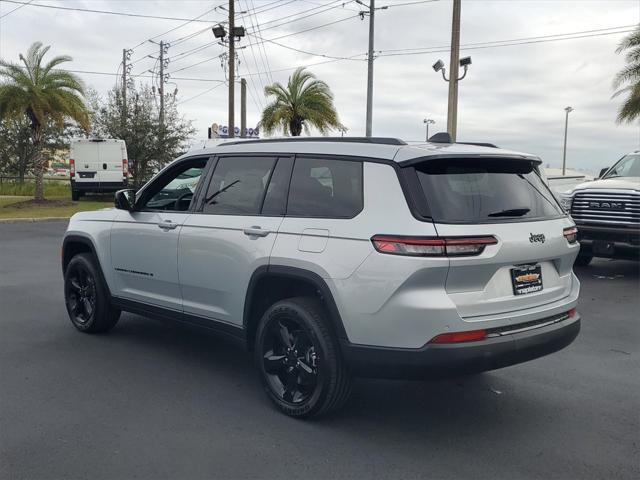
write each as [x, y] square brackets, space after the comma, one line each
[153, 400]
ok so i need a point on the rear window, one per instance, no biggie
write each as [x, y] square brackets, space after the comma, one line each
[485, 191]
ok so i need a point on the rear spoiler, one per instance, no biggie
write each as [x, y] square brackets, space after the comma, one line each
[471, 156]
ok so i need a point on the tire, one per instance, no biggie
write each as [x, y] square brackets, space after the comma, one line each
[86, 296]
[583, 259]
[75, 195]
[299, 360]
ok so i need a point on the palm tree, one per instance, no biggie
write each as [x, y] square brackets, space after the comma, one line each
[629, 76]
[304, 102]
[44, 95]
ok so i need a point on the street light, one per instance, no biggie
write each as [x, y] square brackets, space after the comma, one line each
[427, 122]
[452, 113]
[568, 110]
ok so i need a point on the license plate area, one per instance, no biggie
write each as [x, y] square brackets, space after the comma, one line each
[526, 279]
[86, 174]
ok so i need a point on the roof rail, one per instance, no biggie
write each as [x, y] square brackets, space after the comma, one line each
[374, 140]
[480, 144]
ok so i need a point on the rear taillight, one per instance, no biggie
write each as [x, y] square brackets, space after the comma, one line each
[125, 168]
[72, 168]
[572, 313]
[460, 337]
[431, 246]
[571, 234]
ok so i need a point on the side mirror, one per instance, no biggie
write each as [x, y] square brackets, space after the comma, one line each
[125, 199]
[602, 172]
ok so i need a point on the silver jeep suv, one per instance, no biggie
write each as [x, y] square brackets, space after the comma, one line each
[332, 258]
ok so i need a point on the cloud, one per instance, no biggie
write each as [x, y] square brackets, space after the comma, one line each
[512, 95]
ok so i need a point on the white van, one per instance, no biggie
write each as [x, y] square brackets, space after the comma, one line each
[98, 165]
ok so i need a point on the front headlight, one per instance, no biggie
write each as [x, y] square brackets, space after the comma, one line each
[565, 201]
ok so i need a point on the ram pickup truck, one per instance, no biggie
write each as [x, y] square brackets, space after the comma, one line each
[607, 212]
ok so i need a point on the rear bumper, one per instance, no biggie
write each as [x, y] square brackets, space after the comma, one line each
[98, 186]
[446, 360]
[610, 241]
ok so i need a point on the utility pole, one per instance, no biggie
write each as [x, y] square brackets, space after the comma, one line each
[452, 111]
[161, 89]
[124, 89]
[243, 108]
[232, 64]
[568, 110]
[372, 10]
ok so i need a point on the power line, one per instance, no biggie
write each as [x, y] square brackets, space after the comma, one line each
[178, 27]
[260, 54]
[263, 40]
[331, 6]
[17, 8]
[104, 12]
[200, 94]
[503, 43]
[264, 49]
[142, 75]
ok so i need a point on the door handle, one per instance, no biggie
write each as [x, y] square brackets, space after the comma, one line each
[256, 231]
[167, 225]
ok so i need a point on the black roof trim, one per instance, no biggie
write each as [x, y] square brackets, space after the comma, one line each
[373, 140]
[479, 144]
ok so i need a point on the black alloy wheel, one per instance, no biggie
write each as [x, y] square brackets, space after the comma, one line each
[80, 293]
[87, 297]
[290, 360]
[299, 359]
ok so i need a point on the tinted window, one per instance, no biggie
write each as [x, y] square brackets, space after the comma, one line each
[629, 166]
[484, 191]
[275, 201]
[238, 185]
[175, 191]
[325, 188]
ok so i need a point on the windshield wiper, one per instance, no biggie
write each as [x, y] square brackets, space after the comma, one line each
[511, 212]
[209, 199]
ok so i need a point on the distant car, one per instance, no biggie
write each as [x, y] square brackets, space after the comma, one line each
[98, 165]
[338, 257]
[61, 172]
[607, 212]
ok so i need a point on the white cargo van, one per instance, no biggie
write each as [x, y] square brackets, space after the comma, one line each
[98, 165]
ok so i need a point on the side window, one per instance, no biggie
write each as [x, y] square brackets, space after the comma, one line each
[325, 188]
[238, 185]
[275, 201]
[174, 191]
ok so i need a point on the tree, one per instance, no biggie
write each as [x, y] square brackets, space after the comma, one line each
[16, 149]
[148, 149]
[627, 81]
[304, 102]
[42, 93]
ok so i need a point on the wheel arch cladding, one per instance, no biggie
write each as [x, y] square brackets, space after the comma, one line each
[72, 245]
[270, 284]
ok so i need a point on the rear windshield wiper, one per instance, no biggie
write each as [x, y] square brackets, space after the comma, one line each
[511, 212]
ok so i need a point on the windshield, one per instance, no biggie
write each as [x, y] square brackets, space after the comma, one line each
[628, 166]
[485, 191]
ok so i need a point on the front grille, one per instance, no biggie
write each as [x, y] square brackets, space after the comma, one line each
[604, 207]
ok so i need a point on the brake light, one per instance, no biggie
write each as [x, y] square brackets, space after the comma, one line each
[431, 246]
[571, 234]
[72, 168]
[572, 313]
[125, 168]
[460, 337]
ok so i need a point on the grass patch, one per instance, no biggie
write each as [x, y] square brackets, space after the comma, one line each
[52, 188]
[60, 206]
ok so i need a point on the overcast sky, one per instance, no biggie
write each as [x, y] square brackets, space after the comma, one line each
[513, 95]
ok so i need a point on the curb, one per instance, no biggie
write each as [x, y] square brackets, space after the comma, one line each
[32, 220]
